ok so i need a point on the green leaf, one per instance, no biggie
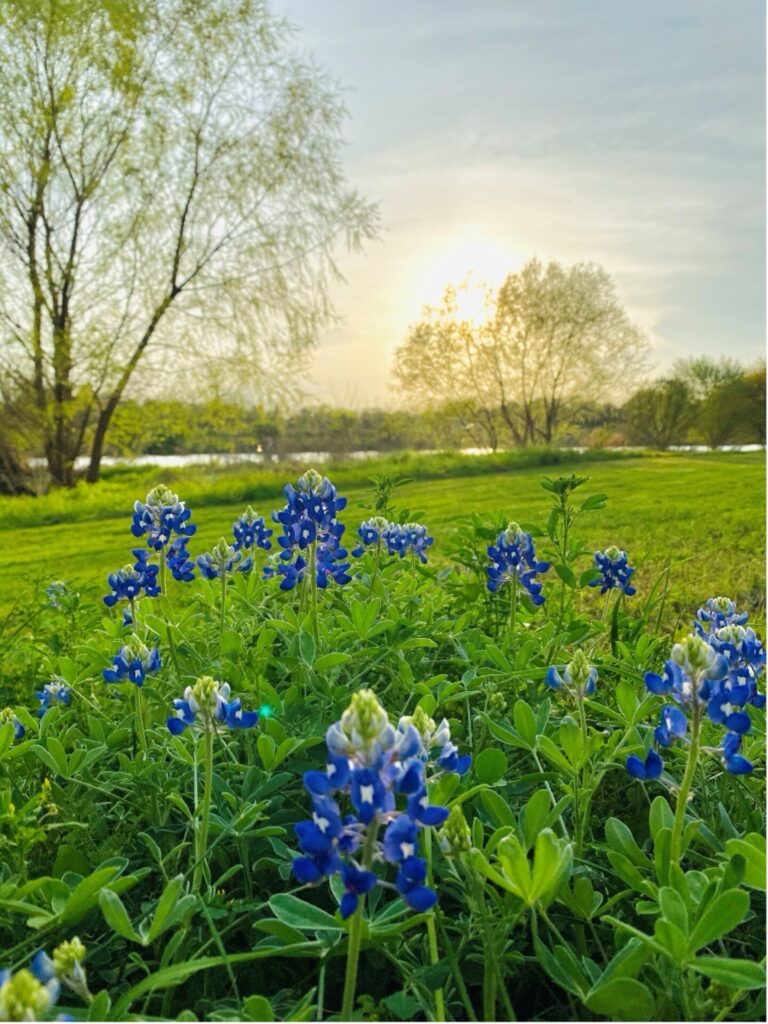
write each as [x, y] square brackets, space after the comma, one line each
[498, 808]
[116, 916]
[720, 916]
[744, 974]
[752, 849]
[622, 999]
[258, 1008]
[327, 661]
[167, 909]
[525, 722]
[490, 765]
[301, 915]
[660, 816]
[100, 1007]
[620, 838]
[673, 908]
[567, 575]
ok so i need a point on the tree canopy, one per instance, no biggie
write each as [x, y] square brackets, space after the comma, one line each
[171, 194]
[552, 337]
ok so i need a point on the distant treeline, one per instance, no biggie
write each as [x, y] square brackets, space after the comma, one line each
[702, 402]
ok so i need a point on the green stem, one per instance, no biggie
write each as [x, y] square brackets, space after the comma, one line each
[356, 933]
[205, 809]
[141, 731]
[513, 604]
[582, 817]
[223, 607]
[450, 953]
[434, 954]
[685, 786]
[313, 589]
[376, 562]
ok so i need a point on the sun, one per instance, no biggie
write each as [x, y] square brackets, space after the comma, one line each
[473, 261]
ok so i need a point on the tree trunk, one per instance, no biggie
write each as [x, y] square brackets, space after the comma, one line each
[97, 445]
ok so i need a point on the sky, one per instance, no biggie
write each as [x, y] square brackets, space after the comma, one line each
[491, 131]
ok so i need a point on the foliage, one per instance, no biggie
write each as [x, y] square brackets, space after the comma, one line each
[157, 863]
[170, 173]
[552, 338]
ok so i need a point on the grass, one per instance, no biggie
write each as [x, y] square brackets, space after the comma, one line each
[702, 513]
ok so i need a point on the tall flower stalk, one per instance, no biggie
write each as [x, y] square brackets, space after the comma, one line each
[205, 707]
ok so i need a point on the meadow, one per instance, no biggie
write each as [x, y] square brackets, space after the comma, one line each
[700, 514]
[496, 752]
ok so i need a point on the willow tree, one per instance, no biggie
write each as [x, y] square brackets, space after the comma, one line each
[552, 339]
[170, 194]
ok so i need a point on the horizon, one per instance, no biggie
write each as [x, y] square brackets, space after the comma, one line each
[633, 139]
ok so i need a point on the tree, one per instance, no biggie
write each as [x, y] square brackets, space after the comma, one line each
[659, 415]
[171, 192]
[448, 361]
[702, 375]
[553, 339]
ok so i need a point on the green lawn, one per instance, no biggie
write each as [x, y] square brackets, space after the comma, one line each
[703, 513]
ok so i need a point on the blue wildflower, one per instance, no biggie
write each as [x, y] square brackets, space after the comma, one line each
[729, 754]
[6, 715]
[615, 571]
[250, 530]
[650, 768]
[222, 560]
[208, 704]
[514, 555]
[371, 532]
[127, 583]
[179, 561]
[716, 613]
[374, 765]
[402, 538]
[577, 679]
[55, 692]
[699, 678]
[311, 534]
[160, 517]
[134, 662]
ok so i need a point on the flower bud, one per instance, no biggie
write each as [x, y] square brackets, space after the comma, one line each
[454, 837]
[161, 496]
[23, 997]
[310, 481]
[694, 654]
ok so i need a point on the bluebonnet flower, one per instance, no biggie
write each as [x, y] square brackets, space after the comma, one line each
[311, 534]
[223, 559]
[59, 595]
[650, 768]
[55, 692]
[208, 704]
[66, 966]
[716, 613]
[29, 994]
[134, 662]
[730, 756]
[250, 530]
[402, 538]
[127, 583]
[372, 532]
[615, 571]
[578, 678]
[179, 561]
[514, 555]
[6, 715]
[697, 677]
[373, 765]
[160, 517]
[741, 646]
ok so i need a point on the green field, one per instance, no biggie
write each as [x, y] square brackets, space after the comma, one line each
[704, 514]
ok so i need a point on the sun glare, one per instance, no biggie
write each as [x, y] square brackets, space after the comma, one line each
[471, 261]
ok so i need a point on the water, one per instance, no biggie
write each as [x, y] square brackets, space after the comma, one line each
[264, 459]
